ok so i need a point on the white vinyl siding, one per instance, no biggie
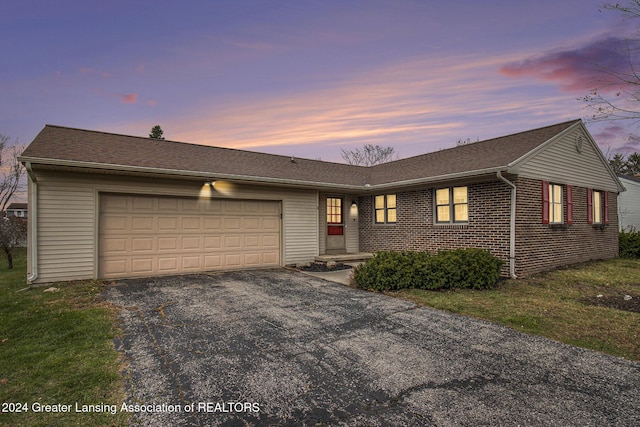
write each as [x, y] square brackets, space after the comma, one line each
[561, 162]
[68, 218]
[66, 231]
[629, 205]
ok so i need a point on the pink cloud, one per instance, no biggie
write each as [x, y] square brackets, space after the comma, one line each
[598, 64]
[129, 98]
[152, 102]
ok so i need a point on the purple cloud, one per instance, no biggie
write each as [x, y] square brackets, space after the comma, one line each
[598, 64]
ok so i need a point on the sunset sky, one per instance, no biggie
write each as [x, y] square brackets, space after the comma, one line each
[307, 78]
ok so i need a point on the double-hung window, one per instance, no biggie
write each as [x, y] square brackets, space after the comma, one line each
[597, 207]
[452, 205]
[385, 209]
[555, 204]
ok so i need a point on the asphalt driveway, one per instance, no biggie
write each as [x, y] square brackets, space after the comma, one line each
[278, 347]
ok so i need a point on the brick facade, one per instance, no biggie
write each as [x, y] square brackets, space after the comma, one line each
[542, 247]
[488, 225]
[539, 246]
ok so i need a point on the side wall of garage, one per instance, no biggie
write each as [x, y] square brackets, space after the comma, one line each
[68, 214]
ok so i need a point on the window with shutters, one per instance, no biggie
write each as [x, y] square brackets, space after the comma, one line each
[557, 201]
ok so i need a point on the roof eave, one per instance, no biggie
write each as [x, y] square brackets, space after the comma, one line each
[188, 174]
[439, 178]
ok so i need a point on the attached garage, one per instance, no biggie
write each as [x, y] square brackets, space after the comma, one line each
[142, 235]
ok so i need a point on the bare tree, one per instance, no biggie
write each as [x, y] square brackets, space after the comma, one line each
[369, 155]
[11, 170]
[619, 98]
[13, 231]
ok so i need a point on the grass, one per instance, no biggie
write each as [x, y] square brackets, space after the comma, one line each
[557, 305]
[56, 348]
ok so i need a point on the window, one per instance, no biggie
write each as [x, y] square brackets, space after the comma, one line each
[597, 207]
[385, 209]
[334, 210]
[555, 204]
[452, 205]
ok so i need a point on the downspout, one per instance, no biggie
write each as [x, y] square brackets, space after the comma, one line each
[33, 221]
[512, 226]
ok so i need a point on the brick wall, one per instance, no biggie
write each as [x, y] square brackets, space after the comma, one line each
[488, 225]
[542, 247]
[539, 246]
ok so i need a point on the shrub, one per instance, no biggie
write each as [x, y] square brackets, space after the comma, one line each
[458, 268]
[629, 243]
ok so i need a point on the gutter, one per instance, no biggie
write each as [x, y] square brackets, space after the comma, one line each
[33, 222]
[186, 174]
[512, 226]
[256, 179]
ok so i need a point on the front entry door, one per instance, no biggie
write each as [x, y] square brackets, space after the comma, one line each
[335, 225]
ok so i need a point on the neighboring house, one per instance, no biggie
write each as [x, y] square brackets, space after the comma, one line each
[111, 206]
[629, 203]
[17, 209]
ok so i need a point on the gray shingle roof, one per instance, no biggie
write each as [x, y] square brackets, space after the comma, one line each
[58, 145]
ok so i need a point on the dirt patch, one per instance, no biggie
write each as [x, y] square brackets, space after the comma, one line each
[323, 267]
[624, 302]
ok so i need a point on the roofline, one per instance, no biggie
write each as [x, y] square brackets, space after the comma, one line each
[183, 173]
[513, 166]
[439, 178]
[258, 179]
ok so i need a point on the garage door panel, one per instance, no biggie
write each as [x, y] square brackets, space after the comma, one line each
[233, 261]
[232, 242]
[142, 265]
[114, 245]
[190, 243]
[142, 223]
[232, 223]
[114, 223]
[166, 204]
[191, 262]
[148, 235]
[270, 241]
[213, 262]
[167, 243]
[168, 223]
[271, 224]
[142, 204]
[252, 242]
[168, 265]
[212, 224]
[142, 244]
[252, 224]
[191, 223]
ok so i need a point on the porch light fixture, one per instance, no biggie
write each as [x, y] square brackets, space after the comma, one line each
[354, 204]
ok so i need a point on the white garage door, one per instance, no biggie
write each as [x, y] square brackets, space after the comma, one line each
[147, 235]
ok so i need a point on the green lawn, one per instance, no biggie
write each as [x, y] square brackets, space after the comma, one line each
[56, 349]
[563, 305]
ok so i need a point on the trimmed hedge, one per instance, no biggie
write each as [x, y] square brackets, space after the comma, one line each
[458, 268]
[629, 243]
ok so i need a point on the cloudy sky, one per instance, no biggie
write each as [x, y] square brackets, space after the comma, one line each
[307, 78]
